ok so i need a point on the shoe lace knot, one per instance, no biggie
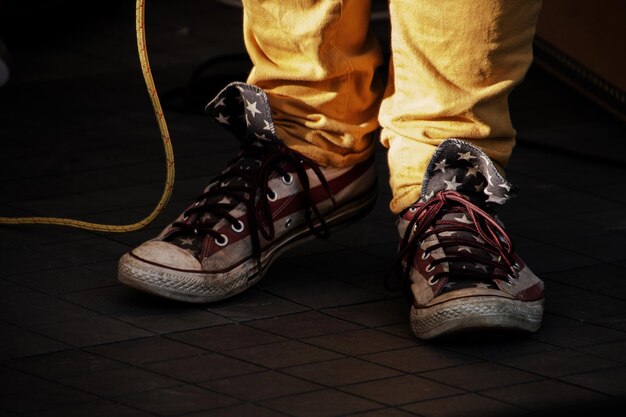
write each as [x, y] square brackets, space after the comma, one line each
[455, 222]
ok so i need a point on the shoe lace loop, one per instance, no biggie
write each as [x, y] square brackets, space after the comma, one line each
[427, 221]
[246, 181]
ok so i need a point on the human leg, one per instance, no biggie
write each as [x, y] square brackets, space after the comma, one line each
[306, 160]
[453, 67]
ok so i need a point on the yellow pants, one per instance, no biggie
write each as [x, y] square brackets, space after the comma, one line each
[453, 65]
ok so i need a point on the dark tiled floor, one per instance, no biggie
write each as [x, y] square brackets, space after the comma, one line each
[78, 139]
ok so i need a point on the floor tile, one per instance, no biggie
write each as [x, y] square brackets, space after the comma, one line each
[379, 313]
[40, 396]
[283, 354]
[566, 332]
[385, 412]
[401, 390]
[611, 350]
[610, 381]
[150, 349]
[203, 368]
[419, 359]
[360, 342]
[121, 381]
[17, 342]
[64, 364]
[301, 325]
[341, 372]
[557, 363]
[12, 378]
[20, 261]
[227, 337]
[464, 405]
[63, 280]
[260, 386]
[98, 408]
[42, 310]
[325, 403]
[544, 395]
[253, 305]
[324, 294]
[480, 376]
[182, 399]
[246, 409]
[92, 331]
[84, 251]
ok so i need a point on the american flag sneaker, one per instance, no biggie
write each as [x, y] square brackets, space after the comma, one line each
[455, 258]
[267, 200]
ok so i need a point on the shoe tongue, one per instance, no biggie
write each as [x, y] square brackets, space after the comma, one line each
[460, 166]
[244, 109]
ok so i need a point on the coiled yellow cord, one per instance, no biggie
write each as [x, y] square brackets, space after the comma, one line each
[167, 146]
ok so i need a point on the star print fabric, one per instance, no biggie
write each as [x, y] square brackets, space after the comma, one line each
[459, 166]
[244, 109]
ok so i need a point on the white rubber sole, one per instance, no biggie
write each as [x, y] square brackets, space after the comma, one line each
[476, 313]
[202, 287]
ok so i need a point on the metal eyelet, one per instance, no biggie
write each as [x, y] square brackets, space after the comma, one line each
[432, 281]
[272, 195]
[516, 266]
[195, 231]
[287, 178]
[223, 241]
[430, 268]
[239, 228]
[288, 223]
[412, 209]
[425, 255]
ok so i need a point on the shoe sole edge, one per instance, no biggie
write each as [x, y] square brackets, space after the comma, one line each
[476, 313]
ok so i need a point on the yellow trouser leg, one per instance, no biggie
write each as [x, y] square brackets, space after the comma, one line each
[454, 64]
[316, 61]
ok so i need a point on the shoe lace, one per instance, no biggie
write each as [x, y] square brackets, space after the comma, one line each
[428, 219]
[245, 180]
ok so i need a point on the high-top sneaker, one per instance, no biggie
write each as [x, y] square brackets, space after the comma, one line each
[267, 200]
[455, 256]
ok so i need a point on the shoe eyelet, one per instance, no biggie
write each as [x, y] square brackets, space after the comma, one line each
[288, 223]
[516, 266]
[425, 255]
[511, 279]
[432, 281]
[412, 209]
[430, 268]
[272, 195]
[287, 179]
[222, 240]
[239, 227]
[195, 231]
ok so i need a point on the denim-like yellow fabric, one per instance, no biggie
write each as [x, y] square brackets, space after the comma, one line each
[453, 66]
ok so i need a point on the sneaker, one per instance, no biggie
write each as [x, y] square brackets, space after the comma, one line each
[268, 199]
[455, 257]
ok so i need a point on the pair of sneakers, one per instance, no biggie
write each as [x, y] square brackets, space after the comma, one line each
[455, 259]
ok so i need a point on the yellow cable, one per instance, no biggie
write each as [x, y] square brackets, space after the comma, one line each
[167, 146]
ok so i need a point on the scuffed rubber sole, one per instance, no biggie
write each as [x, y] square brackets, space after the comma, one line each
[476, 313]
[202, 287]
